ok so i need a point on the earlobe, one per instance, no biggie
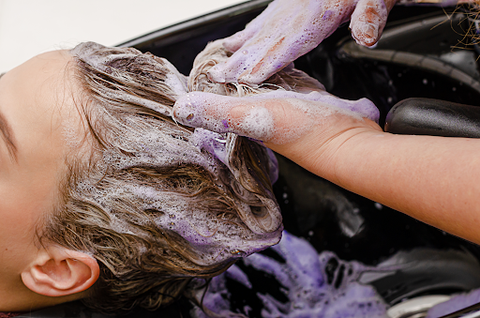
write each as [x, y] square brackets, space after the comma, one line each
[58, 271]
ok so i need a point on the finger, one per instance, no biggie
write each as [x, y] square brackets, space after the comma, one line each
[241, 45]
[203, 110]
[253, 64]
[256, 62]
[259, 61]
[262, 21]
[362, 107]
[236, 41]
[244, 116]
[277, 117]
[262, 56]
[279, 55]
[368, 20]
[229, 71]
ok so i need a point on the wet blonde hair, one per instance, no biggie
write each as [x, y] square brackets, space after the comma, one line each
[156, 203]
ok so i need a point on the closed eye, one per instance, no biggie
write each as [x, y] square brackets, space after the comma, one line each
[6, 134]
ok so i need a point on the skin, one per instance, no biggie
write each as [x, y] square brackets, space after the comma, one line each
[288, 29]
[433, 179]
[36, 104]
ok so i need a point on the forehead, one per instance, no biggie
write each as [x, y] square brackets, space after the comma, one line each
[35, 99]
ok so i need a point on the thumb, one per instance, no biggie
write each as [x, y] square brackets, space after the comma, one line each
[277, 117]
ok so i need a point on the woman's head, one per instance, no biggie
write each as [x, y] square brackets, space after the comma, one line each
[152, 204]
[36, 111]
[134, 198]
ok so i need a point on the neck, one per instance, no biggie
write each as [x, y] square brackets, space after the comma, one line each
[17, 297]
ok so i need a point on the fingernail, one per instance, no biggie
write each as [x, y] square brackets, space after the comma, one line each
[364, 33]
[370, 35]
[184, 110]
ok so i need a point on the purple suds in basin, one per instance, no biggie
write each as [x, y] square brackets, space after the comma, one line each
[304, 283]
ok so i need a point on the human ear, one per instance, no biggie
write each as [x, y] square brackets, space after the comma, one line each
[58, 271]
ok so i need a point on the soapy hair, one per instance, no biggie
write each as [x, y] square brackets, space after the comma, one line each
[147, 199]
[156, 203]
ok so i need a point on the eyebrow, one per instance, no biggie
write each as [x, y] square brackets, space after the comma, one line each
[7, 135]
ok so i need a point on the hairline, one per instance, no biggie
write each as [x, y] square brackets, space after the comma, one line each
[76, 156]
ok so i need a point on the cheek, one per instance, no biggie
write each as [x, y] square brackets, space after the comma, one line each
[16, 234]
[21, 209]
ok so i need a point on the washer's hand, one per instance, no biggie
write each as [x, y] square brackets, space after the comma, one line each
[278, 117]
[288, 29]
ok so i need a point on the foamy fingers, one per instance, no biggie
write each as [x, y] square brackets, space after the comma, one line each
[244, 116]
[286, 30]
[368, 20]
[277, 117]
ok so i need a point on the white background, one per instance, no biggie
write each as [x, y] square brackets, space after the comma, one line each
[30, 27]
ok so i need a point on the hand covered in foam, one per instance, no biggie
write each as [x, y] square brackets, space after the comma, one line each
[288, 29]
[292, 124]
[277, 117]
